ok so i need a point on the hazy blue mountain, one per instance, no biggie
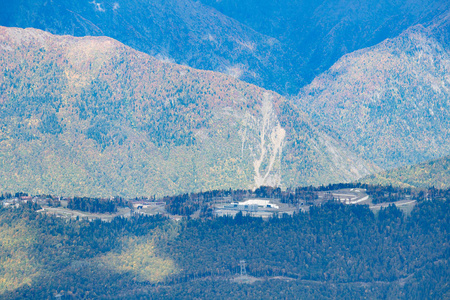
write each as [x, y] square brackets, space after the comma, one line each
[185, 32]
[279, 45]
[318, 32]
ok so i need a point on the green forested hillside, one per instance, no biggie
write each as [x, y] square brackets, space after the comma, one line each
[333, 251]
[390, 102]
[92, 117]
[432, 173]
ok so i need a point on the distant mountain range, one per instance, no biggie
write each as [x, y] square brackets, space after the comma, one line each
[279, 46]
[90, 116]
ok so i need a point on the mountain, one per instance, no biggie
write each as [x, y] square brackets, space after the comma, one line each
[432, 173]
[91, 116]
[319, 32]
[280, 46]
[390, 102]
[185, 32]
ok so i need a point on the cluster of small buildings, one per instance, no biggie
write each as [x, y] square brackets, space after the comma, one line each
[253, 207]
[138, 205]
[17, 201]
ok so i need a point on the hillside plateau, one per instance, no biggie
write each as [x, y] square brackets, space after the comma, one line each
[90, 116]
[390, 103]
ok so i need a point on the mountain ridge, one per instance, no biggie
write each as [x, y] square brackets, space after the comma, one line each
[100, 116]
[280, 47]
[320, 32]
[185, 32]
[389, 102]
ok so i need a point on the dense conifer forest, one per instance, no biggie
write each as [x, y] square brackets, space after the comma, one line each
[333, 251]
[96, 205]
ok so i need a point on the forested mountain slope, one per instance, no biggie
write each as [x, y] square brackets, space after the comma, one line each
[90, 116]
[432, 173]
[319, 32]
[185, 32]
[334, 251]
[390, 102]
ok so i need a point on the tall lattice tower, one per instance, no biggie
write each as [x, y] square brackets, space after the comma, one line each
[243, 270]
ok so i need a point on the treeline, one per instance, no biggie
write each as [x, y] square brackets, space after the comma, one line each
[7, 195]
[187, 204]
[184, 205]
[96, 205]
[378, 193]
